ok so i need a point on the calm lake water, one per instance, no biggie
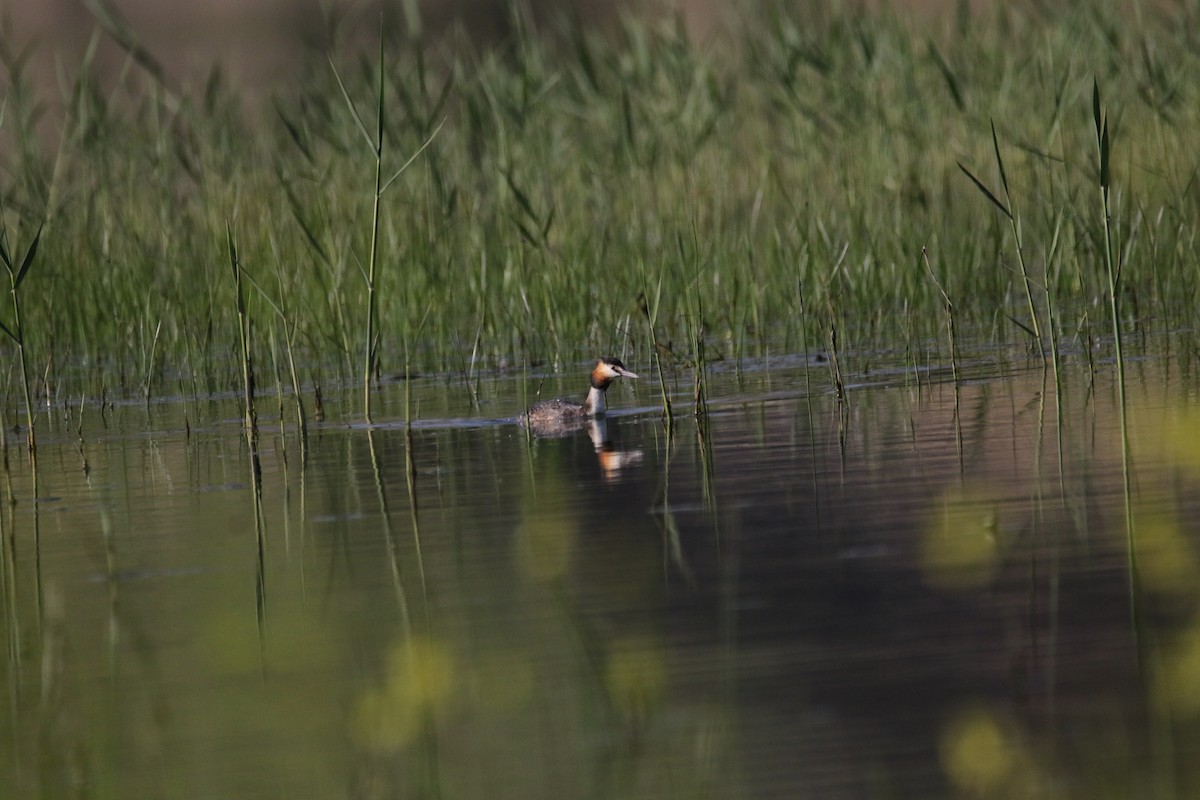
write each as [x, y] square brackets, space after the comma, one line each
[923, 591]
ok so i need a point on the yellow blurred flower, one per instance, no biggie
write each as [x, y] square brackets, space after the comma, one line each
[1177, 677]
[419, 681]
[1166, 560]
[958, 545]
[635, 675]
[1171, 433]
[976, 752]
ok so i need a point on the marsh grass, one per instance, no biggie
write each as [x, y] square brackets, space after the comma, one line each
[649, 311]
[818, 152]
[1008, 209]
[17, 271]
[249, 381]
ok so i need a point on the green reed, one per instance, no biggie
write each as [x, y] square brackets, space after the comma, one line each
[557, 169]
[376, 143]
[1113, 265]
[17, 271]
[244, 339]
[1014, 220]
[649, 306]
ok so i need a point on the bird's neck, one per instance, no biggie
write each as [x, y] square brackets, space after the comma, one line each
[595, 405]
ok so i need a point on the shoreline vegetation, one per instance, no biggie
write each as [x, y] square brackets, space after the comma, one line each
[820, 177]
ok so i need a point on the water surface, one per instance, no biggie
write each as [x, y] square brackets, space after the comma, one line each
[921, 590]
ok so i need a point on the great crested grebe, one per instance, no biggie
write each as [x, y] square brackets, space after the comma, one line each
[553, 414]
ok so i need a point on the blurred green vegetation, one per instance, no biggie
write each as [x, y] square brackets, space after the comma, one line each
[761, 190]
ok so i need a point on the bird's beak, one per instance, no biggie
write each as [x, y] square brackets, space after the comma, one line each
[624, 373]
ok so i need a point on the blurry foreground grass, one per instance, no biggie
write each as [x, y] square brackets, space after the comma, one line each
[775, 186]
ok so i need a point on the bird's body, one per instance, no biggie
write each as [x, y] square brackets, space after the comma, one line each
[551, 417]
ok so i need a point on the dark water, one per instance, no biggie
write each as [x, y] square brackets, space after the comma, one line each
[924, 591]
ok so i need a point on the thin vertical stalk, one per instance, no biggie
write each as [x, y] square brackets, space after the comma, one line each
[16, 275]
[953, 340]
[30, 420]
[251, 415]
[251, 425]
[948, 307]
[1113, 272]
[372, 298]
[699, 362]
[301, 414]
[835, 363]
[376, 143]
[1014, 222]
[651, 315]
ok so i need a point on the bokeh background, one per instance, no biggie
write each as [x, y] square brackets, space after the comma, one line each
[255, 42]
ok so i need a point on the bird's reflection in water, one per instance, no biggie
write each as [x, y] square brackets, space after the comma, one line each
[612, 460]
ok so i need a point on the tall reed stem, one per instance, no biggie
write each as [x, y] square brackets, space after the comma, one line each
[251, 415]
[369, 360]
[1113, 272]
[16, 274]
[376, 143]
[1014, 221]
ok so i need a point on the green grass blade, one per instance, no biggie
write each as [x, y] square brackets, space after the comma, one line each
[264, 295]
[362, 128]
[27, 262]
[298, 214]
[231, 247]
[627, 115]
[440, 103]
[948, 76]
[382, 85]
[1032, 334]
[1101, 122]
[116, 26]
[1000, 164]
[295, 134]
[412, 158]
[1105, 176]
[986, 193]
[522, 200]
[526, 234]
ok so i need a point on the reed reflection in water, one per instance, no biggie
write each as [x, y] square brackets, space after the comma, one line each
[924, 591]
